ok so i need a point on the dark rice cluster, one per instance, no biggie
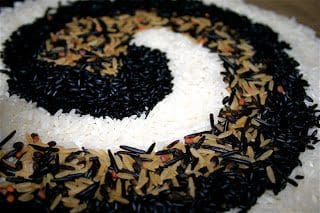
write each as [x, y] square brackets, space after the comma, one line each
[285, 119]
[143, 81]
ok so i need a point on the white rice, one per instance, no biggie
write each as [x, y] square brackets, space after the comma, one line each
[17, 114]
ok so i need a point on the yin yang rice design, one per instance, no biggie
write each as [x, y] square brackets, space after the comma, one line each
[151, 106]
[114, 85]
[98, 68]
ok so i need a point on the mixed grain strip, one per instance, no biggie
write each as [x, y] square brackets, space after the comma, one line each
[80, 175]
[99, 42]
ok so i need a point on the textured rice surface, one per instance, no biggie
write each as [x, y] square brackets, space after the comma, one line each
[198, 90]
[305, 49]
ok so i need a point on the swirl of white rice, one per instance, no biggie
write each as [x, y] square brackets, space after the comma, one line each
[25, 117]
[198, 90]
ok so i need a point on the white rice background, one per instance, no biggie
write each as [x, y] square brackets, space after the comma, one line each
[73, 130]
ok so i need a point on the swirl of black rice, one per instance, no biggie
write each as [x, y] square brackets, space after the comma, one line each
[144, 79]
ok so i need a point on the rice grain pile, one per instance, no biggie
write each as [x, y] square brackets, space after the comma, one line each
[202, 92]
